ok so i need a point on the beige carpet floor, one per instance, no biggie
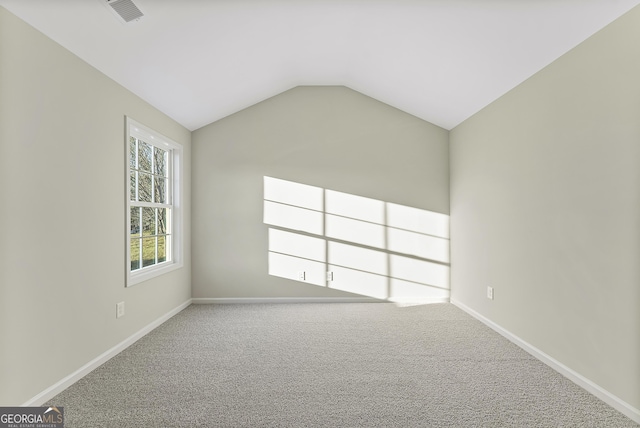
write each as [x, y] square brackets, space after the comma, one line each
[328, 365]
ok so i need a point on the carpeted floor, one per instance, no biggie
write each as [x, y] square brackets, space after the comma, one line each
[328, 365]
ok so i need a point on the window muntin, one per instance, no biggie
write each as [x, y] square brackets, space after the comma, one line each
[152, 203]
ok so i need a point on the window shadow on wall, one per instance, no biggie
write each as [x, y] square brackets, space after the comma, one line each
[355, 244]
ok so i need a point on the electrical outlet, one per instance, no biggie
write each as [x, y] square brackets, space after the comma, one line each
[329, 276]
[302, 275]
[119, 309]
[490, 293]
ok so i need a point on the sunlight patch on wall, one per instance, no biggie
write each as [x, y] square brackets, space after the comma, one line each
[291, 193]
[369, 247]
[291, 217]
[356, 231]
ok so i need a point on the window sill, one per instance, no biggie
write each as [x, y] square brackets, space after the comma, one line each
[146, 274]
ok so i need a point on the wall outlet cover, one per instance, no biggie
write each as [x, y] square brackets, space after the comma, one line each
[119, 309]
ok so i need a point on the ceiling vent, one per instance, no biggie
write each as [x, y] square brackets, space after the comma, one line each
[125, 9]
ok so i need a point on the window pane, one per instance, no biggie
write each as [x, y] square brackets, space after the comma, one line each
[148, 221]
[167, 191]
[162, 253]
[160, 190]
[160, 161]
[162, 221]
[132, 185]
[135, 221]
[135, 254]
[132, 152]
[144, 187]
[148, 251]
[144, 156]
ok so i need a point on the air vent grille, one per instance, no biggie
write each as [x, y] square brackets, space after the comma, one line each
[126, 9]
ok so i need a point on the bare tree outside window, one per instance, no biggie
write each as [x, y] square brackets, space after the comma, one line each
[150, 203]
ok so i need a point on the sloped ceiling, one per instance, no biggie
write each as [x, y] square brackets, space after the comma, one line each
[201, 60]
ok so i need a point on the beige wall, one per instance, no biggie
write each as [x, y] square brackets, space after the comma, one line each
[545, 207]
[330, 137]
[62, 218]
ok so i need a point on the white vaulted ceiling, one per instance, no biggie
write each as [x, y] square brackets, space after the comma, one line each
[201, 60]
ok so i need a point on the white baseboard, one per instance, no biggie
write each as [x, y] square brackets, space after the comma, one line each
[591, 387]
[212, 300]
[69, 380]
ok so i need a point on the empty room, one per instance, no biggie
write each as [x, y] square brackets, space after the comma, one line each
[320, 213]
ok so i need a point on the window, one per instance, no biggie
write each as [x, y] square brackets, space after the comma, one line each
[154, 241]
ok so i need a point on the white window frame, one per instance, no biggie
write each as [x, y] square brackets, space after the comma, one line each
[148, 135]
